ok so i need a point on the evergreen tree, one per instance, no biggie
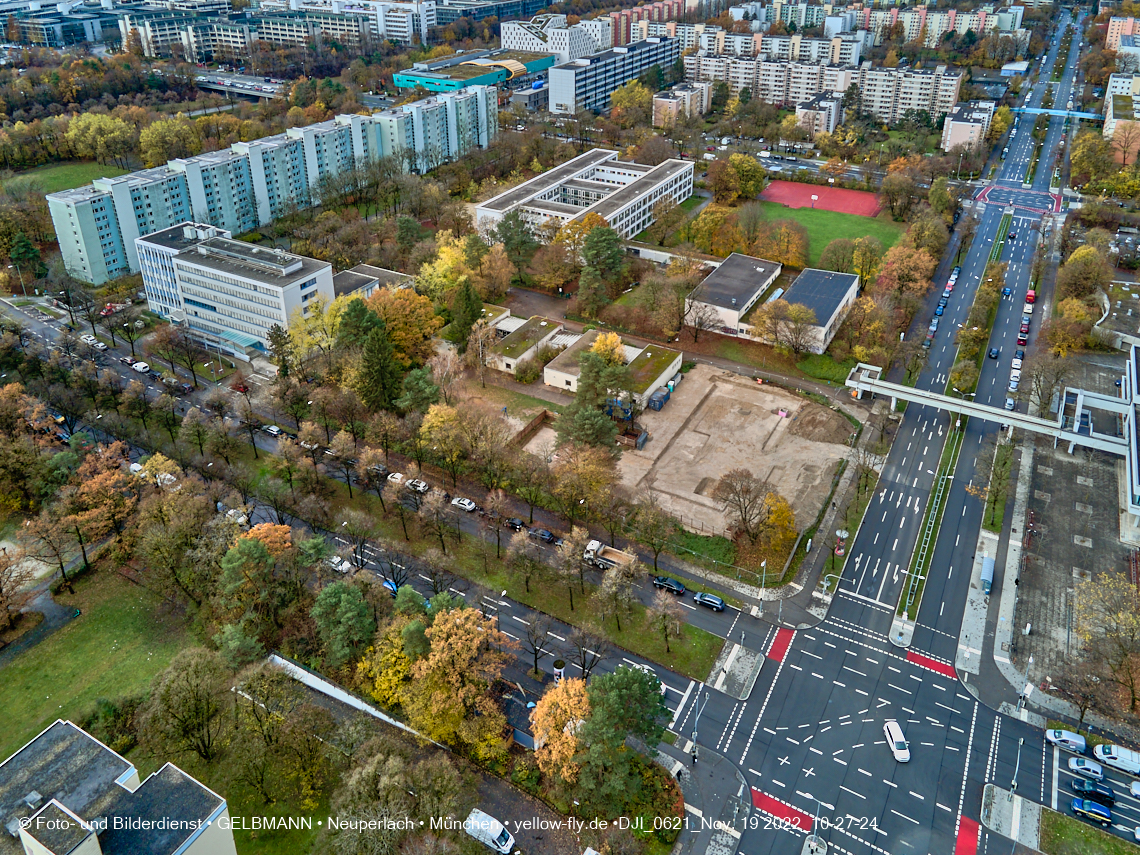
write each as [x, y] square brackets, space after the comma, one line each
[585, 421]
[467, 309]
[281, 346]
[592, 296]
[603, 251]
[419, 391]
[380, 372]
[355, 323]
[514, 233]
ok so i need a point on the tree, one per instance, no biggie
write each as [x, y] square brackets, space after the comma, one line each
[587, 650]
[450, 699]
[572, 234]
[420, 392]
[800, 329]
[343, 450]
[604, 252]
[584, 421]
[100, 137]
[1108, 619]
[839, 255]
[898, 191]
[723, 181]
[1043, 376]
[940, 197]
[168, 139]
[442, 430]
[15, 576]
[749, 174]
[615, 596]
[281, 346]
[410, 322]
[631, 105]
[479, 345]
[49, 538]
[525, 560]
[344, 622]
[747, 500]
[380, 375]
[26, 255]
[185, 713]
[653, 527]
[1090, 157]
[964, 375]
[665, 615]
[519, 242]
[609, 346]
[1083, 274]
[866, 256]
[556, 719]
[535, 638]
[1000, 123]
[592, 293]
[467, 308]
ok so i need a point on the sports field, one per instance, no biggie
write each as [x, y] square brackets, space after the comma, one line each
[796, 195]
[64, 176]
[826, 226]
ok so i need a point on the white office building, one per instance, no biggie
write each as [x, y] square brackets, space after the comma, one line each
[588, 83]
[227, 293]
[549, 34]
[252, 183]
[389, 20]
[622, 193]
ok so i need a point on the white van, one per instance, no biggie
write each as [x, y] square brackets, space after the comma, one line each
[1066, 739]
[488, 831]
[896, 741]
[1124, 759]
[1027, 309]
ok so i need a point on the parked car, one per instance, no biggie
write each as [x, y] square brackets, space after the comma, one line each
[140, 367]
[515, 524]
[88, 339]
[938, 310]
[666, 583]
[1020, 354]
[943, 301]
[1086, 768]
[340, 565]
[542, 534]
[309, 446]
[126, 360]
[1023, 339]
[1015, 364]
[98, 345]
[1024, 329]
[273, 431]
[418, 485]
[712, 601]
[463, 504]
[396, 478]
[1066, 739]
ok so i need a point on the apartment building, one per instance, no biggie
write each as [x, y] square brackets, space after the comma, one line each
[252, 183]
[297, 28]
[967, 124]
[67, 792]
[802, 15]
[886, 93]
[448, 11]
[820, 114]
[388, 20]
[933, 24]
[622, 193]
[549, 34]
[1118, 27]
[227, 292]
[624, 19]
[588, 83]
[684, 99]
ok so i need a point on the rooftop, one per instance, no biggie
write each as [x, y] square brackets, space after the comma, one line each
[822, 291]
[237, 258]
[614, 202]
[739, 280]
[182, 236]
[567, 361]
[548, 180]
[90, 780]
[1123, 107]
[613, 53]
[363, 275]
[526, 337]
[647, 366]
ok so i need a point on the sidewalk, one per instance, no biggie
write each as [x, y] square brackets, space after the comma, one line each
[717, 799]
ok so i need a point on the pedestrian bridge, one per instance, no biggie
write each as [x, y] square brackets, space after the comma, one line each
[1089, 117]
[1112, 431]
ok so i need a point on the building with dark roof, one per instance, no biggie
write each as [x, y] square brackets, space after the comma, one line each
[364, 280]
[66, 792]
[829, 295]
[734, 287]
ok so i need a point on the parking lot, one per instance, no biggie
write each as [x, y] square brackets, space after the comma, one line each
[717, 421]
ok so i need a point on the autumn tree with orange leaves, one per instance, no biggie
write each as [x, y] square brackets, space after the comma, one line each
[556, 719]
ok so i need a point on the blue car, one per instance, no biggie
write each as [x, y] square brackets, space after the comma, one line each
[939, 310]
[711, 600]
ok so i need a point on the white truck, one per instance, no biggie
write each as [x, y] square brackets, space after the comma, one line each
[488, 831]
[604, 557]
[1124, 759]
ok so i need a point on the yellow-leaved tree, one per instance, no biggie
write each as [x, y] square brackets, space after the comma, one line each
[556, 719]
[609, 347]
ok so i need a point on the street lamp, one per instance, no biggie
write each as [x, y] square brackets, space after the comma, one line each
[1016, 769]
[1024, 694]
[700, 710]
[813, 844]
[23, 289]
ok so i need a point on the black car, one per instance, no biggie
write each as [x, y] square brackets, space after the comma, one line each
[542, 534]
[1020, 354]
[711, 600]
[942, 301]
[515, 524]
[670, 585]
[994, 353]
[1094, 792]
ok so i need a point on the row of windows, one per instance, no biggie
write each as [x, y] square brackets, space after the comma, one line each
[241, 289]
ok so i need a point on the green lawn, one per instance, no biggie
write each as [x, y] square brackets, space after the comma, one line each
[825, 226]
[1067, 835]
[65, 176]
[114, 648]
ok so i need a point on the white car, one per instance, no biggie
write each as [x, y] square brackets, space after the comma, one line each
[1016, 364]
[419, 486]
[396, 478]
[1086, 768]
[88, 339]
[1014, 376]
[273, 430]
[140, 367]
[896, 741]
[99, 345]
[1135, 788]
[464, 504]
[340, 565]
[1066, 739]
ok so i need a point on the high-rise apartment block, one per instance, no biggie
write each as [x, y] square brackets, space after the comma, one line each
[886, 93]
[588, 83]
[252, 183]
[549, 34]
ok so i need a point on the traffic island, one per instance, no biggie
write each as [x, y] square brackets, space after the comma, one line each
[735, 670]
[1008, 814]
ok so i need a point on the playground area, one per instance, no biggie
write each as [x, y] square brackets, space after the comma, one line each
[796, 195]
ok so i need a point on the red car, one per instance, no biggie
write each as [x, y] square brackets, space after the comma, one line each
[950, 285]
[1023, 339]
[1025, 329]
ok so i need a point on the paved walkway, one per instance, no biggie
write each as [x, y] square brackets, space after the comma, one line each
[717, 799]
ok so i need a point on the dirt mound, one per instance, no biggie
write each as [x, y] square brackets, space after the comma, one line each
[820, 424]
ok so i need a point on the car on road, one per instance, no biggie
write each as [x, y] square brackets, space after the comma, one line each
[1010, 403]
[711, 601]
[994, 352]
[1013, 385]
[1016, 364]
[390, 586]
[1094, 791]
[1012, 235]
[1015, 375]
[1025, 329]
[273, 431]
[463, 504]
[1025, 319]
[309, 446]
[938, 310]
[140, 367]
[1006, 292]
[1066, 739]
[126, 360]
[515, 524]
[418, 485]
[896, 741]
[943, 301]
[98, 345]
[665, 583]
[1086, 768]
[1092, 811]
[1020, 354]
[949, 287]
[957, 271]
[1023, 339]
[88, 339]
[1134, 788]
[542, 534]
[934, 324]
[340, 565]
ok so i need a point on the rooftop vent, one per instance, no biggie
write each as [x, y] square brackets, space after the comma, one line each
[734, 301]
[33, 800]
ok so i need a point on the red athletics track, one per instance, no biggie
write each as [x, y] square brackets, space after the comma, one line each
[796, 195]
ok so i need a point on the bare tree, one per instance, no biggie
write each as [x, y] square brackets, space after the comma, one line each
[1083, 684]
[587, 650]
[15, 576]
[699, 315]
[1044, 375]
[357, 528]
[665, 615]
[743, 496]
[483, 337]
[434, 567]
[535, 638]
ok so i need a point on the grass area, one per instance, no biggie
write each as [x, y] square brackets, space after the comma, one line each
[114, 648]
[995, 501]
[1091, 739]
[824, 367]
[1067, 835]
[518, 404]
[709, 548]
[825, 226]
[64, 176]
[669, 737]
[920, 564]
